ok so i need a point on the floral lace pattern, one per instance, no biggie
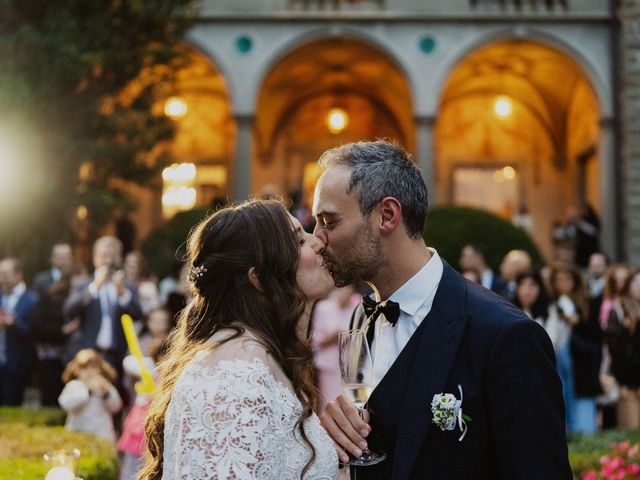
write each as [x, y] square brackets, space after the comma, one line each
[234, 420]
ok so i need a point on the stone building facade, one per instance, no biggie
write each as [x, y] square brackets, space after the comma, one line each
[505, 104]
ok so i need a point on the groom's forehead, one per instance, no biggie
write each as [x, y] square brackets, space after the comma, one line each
[331, 191]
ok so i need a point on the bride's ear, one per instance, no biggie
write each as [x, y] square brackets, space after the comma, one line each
[253, 278]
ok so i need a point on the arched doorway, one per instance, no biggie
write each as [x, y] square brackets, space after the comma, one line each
[201, 152]
[518, 129]
[203, 146]
[322, 94]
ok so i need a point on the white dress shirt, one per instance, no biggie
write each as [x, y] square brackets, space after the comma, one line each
[10, 300]
[486, 278]
[415, 298]
[108, 296]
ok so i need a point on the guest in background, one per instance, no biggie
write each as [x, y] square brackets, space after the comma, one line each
[587, 233]
[596, 274]
[101, 301]
[16, 349]
[89, 396]
[474, 257]
[569, 308]
[50, 332]
[615, 280]
[623, 338]
[61, 262]
[134, 268]
[531, 296]
[514, 263]
[155, 330]
[330, 317]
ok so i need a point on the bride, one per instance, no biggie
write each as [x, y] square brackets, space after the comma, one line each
[236, 398]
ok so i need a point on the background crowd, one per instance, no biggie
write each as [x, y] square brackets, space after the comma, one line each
[62, 343]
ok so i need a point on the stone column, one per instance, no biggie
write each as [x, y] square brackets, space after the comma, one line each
[607, 187]
[425, 153]
[242, 166]
[630, 120]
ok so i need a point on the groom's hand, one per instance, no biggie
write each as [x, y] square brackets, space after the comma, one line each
[343, 423]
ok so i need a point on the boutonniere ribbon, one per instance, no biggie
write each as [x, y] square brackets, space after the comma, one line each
[447, 412]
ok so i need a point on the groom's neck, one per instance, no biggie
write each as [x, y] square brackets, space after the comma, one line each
[401, 262]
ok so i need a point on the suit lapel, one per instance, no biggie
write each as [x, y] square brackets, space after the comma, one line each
[436, 353]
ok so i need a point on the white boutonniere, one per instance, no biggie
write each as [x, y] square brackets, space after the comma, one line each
[447, 412]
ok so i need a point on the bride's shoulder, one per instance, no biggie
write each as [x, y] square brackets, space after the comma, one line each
[237, 351]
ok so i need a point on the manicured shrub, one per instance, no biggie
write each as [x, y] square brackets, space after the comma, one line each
[32, 416]
[22, 448]
[450, 228]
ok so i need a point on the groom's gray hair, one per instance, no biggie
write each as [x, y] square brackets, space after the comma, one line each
[382, 169]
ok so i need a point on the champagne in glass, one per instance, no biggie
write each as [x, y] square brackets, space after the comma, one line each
[358, 393]
[356, 371]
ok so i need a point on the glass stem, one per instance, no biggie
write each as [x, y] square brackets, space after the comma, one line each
[366, 451]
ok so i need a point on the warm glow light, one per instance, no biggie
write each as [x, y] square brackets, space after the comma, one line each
[502, 107]
[179, 198]
[60, 472]
[175, 107]
[84, 173]
[337, 120]
[179, 193]
[498, 176]
[179, 173]
[82, 213]
[509, 173]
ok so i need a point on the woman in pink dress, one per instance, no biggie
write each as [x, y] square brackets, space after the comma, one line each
[330, 317]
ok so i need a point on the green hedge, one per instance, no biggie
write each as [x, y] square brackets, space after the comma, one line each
[32, 416]
[23, 443]
[448, 229]
[22, 447]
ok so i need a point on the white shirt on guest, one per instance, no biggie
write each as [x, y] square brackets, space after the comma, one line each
[415, 298]
[486, 278]
[11, 298]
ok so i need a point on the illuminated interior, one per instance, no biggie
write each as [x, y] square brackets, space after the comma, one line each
[518, 127]
[320, 95]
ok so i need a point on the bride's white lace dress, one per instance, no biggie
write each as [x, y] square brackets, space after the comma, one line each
[233, 415]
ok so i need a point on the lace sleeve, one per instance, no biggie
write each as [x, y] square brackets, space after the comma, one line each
[221, 423]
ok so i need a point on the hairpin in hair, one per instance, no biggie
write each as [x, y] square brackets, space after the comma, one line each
[196, 273]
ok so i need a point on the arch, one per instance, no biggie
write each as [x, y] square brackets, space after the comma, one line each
[200, 47]
[305, 83]
[334, 31]
[521, 106]
[475, 43]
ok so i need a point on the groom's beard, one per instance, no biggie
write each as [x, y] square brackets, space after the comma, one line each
[362, 263]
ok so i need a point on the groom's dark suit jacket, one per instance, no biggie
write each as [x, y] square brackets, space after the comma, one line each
[504, 363]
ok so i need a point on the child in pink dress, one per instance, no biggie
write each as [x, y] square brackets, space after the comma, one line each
[132, 441]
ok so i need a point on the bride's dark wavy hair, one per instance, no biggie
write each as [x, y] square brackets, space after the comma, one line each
[223, 247]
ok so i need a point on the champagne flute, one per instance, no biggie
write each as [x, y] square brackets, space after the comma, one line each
[356, 372]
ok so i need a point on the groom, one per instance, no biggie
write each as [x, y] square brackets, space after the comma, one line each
[447, 336]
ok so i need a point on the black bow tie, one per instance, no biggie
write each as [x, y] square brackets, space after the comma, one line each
[373, 309]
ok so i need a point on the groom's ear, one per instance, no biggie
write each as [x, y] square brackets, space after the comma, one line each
[390, 215]
[253, 278]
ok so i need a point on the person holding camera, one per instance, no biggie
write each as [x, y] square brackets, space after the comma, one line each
[577, 341]
[99, 302]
